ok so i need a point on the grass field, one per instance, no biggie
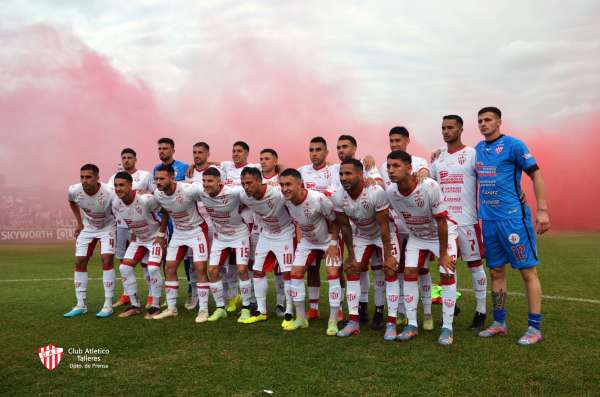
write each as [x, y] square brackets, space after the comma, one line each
[179, 357]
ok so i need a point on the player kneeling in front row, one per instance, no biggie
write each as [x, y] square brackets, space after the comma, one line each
[430, 231]
[313, 213]
[94, 199]
[139, 212]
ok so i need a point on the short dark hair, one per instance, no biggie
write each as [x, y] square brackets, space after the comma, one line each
[400, 155]
[212, 171]
[90, 167]
[252, 171]
[243, 145]
[356, 163]
[124, 175]
[399, 130]
[291, 172]
[319, 139]
[491, 109]
[167, 141]
[454, 117]
[128, 150]
[203, 145]
[165, 167]
[272, 151]
[345, 137]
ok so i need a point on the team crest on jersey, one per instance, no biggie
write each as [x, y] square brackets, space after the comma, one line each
[179, 199]
[499, 149]
[514, 238]
[461, 159]
[365, 205]
[50, 356]
[101, 199]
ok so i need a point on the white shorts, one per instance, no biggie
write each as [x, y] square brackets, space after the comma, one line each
[419, 251]
[470, 244]
[197, 243]
[87, 240]
[220, 250]
[144, 251]
[308, 254]
[123, 236]
[368, 251]
[270, 252]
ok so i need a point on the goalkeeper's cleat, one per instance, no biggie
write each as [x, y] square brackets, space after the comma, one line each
[390, 332]
[105, 312]
[401, 320]
[76, 311]
[297, 324]
[427, 322]
[131, 311]
[244, 315]
[332, 328]
[495, 329]
[122, 301]
[255, 318]
[478, 322]
[218, 314]
[530, 337]
[351, 328]
[409, 332]
[168, 312]
[152, 311]
[312, 314]
[446, 337]
[287, 320]
[202, 317]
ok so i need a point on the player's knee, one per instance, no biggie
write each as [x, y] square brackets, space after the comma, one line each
[213, 273]
[125, 269]
[447, 279]
[410, 272]
[498, 273]
[389, 272]
[529, 274]
[171, 269]
[258, 274]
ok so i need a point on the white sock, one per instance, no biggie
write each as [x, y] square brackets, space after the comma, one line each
[479, 280]
[108, 280]
[352, 296]
[260, 289]
[335, 297]
[81, 282]
[411, 297]
[425, 290]
[156, 283]
[202, 291]
[365, 283]
[216, 289]
[379, 283]
[313, 297]
[146, 275]
[172, 289]
[246, 291]
[448, 303]
[299, 296]
[280, 290]
[392, 294]
[289, 302]
[129, 284]
[401, 307]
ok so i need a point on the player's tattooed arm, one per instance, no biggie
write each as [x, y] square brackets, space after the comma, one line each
[382, 218]
[498, 299]
[446, 262]
[77, 214]
[162, 241]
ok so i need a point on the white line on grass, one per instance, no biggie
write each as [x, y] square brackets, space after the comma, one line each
[551, 297]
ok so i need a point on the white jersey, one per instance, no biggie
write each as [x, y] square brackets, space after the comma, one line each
[362, 211]
[320, 179]
[272, 215]
[455, 172]
[140, 216]
[420, 207]
[233, 174]
[181, 206]
[311, 215]
[373, 173]
[224, 211]
[142, 181]
[417, 164]
[197, 177]
[272, 181]
[97, 208]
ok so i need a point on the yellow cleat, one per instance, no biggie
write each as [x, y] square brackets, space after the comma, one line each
[218, 314]
[233, 304]
[244, 315]
[427, 322]
[297, 324]
[255, 319]
[285, 323]
[332, 328]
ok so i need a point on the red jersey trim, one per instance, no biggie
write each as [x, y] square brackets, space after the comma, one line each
[456, 150]
[441, 215]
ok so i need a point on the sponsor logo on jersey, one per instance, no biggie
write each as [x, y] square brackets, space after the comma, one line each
[50, 356]
[514, 238]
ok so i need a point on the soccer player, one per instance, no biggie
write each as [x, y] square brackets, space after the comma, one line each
[276, 241]
[142, 182]
[431, 231]
[231, 235]
[399, 139]
[93, 198]
[189, 232]
[506, 221]
[269, 166]
[314, 215]
[454, 170]
[367, 208]
[138, 211]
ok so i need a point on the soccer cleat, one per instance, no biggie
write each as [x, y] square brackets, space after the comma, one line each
[363, 312]
[287, 320]
[149, 302]
[122, 301]
[76, 311]
[297, 324]
[218, 314]
[390, 332]
[409, 332]
[202, 317]
[279, 310]
[244, 315]
[191, 302]
[427, 322]
[530, 337]
[378, 322]
[165, 314]
[131, 311]
[255, 318]
[152, 311]
[446, 337]
[105, 312]
[495, 329]
[340, 315]
[332, 328]
[401, 319]
[478, 322]
[233, 304]
[351, 328]
[312, 314]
